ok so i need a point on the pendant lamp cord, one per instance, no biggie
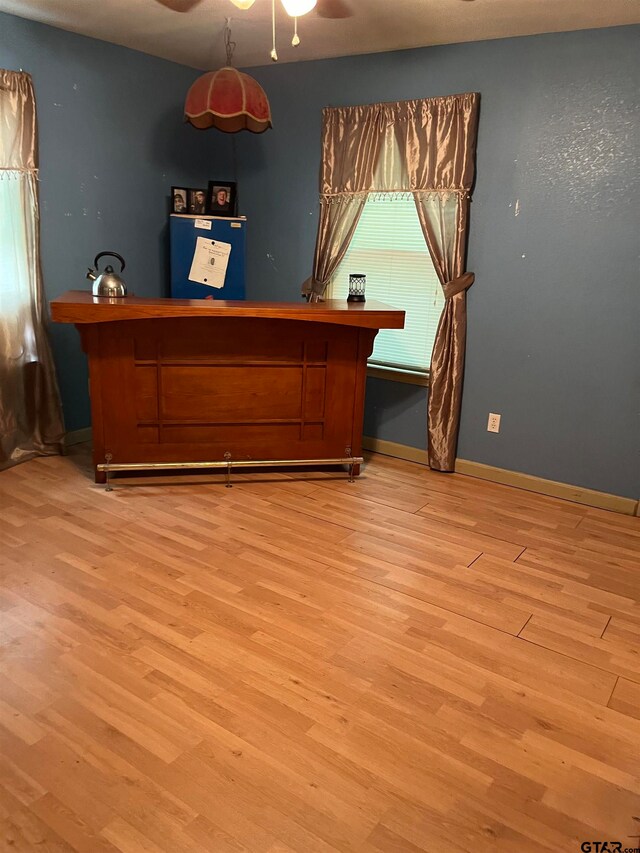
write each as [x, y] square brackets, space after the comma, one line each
[274, 52]
[229, 45]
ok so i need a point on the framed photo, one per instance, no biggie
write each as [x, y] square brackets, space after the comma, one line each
[221, 199]
[197, 200]
[179, 199]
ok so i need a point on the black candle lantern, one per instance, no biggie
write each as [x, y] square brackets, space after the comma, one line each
[357, 284]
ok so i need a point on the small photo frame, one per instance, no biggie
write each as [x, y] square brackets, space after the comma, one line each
[179, 199]
[221, 198]
[197, 201]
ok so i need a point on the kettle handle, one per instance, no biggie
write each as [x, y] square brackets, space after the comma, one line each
[112, 255]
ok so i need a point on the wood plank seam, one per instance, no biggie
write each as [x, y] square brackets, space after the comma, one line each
[571, 657]
[613, 690]
[525, 625]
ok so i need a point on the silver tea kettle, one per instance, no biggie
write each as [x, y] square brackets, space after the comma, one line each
[107, 283]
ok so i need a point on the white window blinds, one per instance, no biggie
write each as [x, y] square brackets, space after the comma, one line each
[389, 248]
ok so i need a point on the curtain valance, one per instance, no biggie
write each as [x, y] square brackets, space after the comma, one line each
[426, 144]
[18, 145]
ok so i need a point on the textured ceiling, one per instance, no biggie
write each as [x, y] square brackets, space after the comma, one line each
[195, 38]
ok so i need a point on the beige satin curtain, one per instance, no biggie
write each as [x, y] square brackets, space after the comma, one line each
[30, 414]
[425, 147]
[444, 220]
[351, 142]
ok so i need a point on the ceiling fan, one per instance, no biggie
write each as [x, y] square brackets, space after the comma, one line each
[294, 8]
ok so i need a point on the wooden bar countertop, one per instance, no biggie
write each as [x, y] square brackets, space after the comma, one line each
[80, 306]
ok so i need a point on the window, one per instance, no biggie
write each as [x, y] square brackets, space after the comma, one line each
[15, 291]
[389, 247]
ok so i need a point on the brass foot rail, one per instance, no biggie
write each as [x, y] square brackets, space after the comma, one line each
[227, 463]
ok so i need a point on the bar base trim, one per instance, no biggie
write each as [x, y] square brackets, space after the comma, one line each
[110, 467]
[228, 464]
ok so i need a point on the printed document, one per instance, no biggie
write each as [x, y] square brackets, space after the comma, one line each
[210, 260]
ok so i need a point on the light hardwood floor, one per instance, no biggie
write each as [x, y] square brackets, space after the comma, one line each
[414, 662]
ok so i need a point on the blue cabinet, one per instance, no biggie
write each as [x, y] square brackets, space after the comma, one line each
[184, 231]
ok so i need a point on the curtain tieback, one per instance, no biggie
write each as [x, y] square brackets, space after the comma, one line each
[312, 285]
[458, 285]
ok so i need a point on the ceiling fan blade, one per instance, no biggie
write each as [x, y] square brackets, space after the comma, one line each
[334, 9]
[179, 5]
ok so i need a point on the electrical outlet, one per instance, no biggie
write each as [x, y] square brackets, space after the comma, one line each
[494, 423]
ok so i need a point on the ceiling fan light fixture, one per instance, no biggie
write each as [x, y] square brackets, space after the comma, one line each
[243, 4]
[298, 8]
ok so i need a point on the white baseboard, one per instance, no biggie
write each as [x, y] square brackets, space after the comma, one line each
[552, 488]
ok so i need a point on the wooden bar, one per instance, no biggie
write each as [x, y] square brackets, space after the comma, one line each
[180, 380]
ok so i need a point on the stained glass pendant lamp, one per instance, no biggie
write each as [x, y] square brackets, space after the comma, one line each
[228, 99]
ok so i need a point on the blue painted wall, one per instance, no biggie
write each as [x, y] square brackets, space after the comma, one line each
[112, 142]
[553, 339]
[554, 315]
